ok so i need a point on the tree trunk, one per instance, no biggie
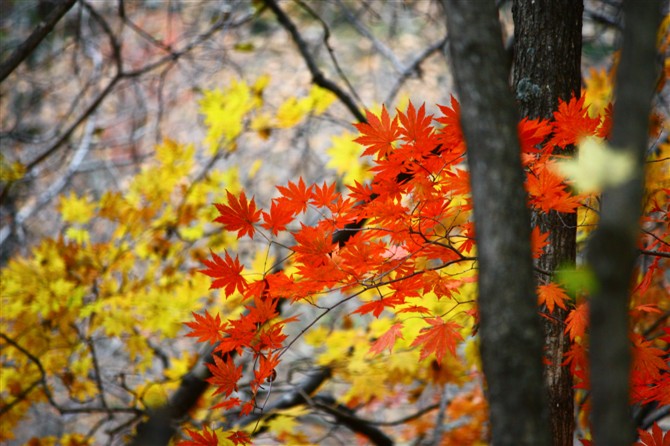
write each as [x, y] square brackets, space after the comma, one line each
[547, 56]
[612, 250]
[510, 330]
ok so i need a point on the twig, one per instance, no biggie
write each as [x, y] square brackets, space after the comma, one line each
[317, 75]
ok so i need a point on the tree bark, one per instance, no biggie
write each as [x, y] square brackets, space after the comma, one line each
[547, 67]
[510, 330]
[612, 249]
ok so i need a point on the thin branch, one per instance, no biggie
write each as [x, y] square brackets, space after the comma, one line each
[655, 253]
[331, 52]
[317, 75]
[414, 67]
[438, 431]
[28, 46]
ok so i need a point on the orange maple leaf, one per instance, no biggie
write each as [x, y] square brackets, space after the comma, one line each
[324, 195]
[206, 328]
[551, 294]
[238, 215]
[440, 337]
[577, 321]
[387, 340]
[532, 133]
[378, 135]
[224, 375]
[572, 122]
[451, 135]
[538, 240]
[227, 273]
[416, 127]
[295, 197]
[278, 218]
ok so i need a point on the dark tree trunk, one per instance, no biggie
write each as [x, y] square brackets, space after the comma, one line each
[510, 330]
[612, 251]
[547, 56]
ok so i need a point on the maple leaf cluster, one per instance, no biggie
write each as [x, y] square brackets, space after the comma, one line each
[395, 240]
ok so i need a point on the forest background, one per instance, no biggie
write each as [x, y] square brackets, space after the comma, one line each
[123, 126]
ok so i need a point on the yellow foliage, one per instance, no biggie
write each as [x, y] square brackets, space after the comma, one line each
[226, 110]
[75, 209]
[345, 159]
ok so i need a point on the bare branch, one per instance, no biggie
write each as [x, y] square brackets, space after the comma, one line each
[317, 75]
[28, 46]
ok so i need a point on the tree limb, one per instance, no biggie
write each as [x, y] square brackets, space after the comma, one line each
[26, 48]
[612, 250]
[317, 75]
[510, 330]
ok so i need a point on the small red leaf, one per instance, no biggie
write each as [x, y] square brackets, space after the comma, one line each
[206, 328]
[238, 215]
[387, 340]
[440, 337]
[551, 294]
[226, 272]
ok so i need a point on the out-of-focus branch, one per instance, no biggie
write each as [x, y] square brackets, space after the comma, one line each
[119, 76]
[28, 46]
[414, 67]
[317, 75]
[299, 395]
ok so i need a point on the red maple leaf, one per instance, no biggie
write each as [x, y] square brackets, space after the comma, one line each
[548, 191]
[266, 369]
[551, 294]
[378, 134]
[654, 438]
[648, 361]
[416, 127]
[387, 340]
[239, 437]
[206, 328]
[227, 273]
[324, 195]
[572, 122]
[208, 438]
[440, 337]
[532, 132]
[313, 245]
[278, 218]
[577, 321]
[224, 375]
[228, 404]
[451, 135]
[377, 306]
[538, 240]
[295, 196]
[238, 215]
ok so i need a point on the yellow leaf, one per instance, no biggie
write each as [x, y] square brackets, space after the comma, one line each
[320, 99]
[75, 209]
[597, 166]
[282, 424]
[78, 235]
[291, 112]
[345, 159]
[11, 171]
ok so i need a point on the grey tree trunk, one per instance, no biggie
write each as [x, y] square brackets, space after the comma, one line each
[612, 251]
[547, 57]
[510, 329]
